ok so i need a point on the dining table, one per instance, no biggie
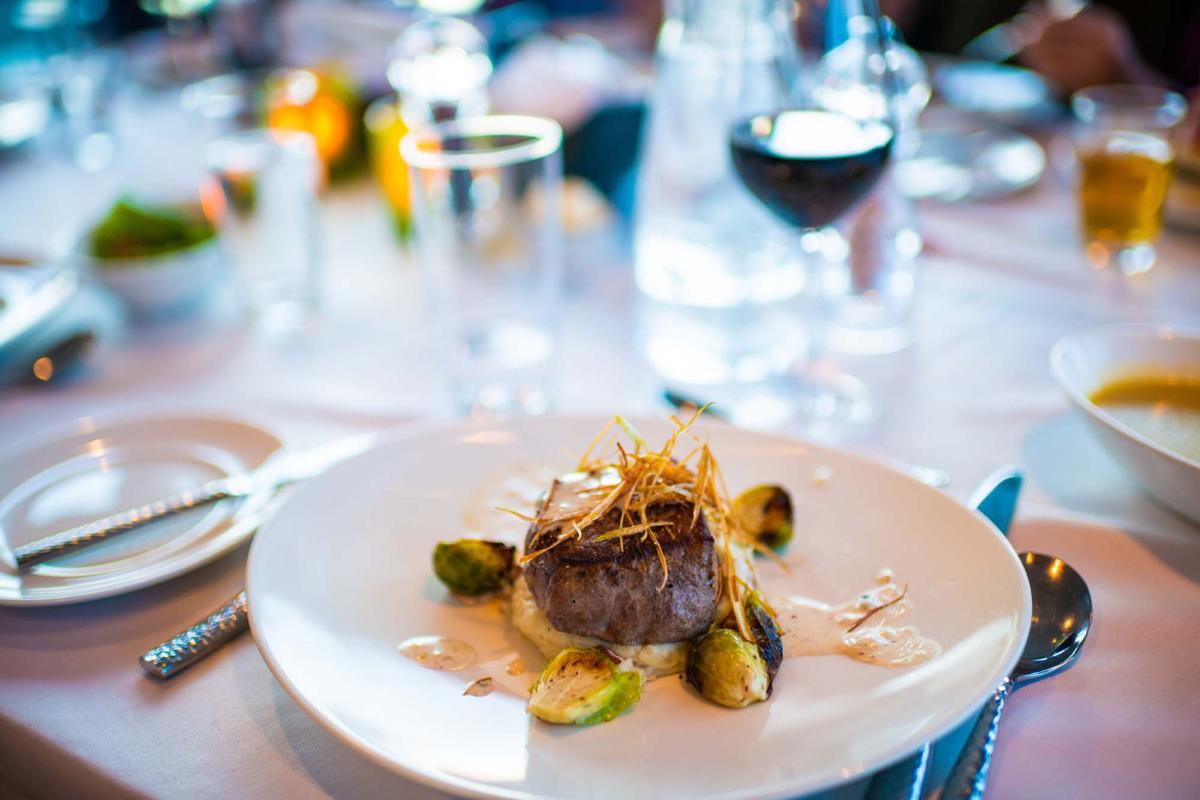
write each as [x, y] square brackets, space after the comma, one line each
[998, 282]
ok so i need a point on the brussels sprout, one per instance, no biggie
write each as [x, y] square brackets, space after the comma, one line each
[727, 669]
[584, 687]
[473, 567]
[765, 512]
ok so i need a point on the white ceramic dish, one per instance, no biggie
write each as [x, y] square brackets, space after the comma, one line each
[155, 286]
[1084, 362]
[49, 483]
[1000, 91]
[341, 575]
[951, 165]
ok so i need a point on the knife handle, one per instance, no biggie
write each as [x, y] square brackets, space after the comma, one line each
[68, 541]
[186, 648]
[968, 778]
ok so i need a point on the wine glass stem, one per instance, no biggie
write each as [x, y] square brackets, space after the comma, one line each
[812, 243]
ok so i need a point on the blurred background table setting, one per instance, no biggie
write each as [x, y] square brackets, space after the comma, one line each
[233, 232]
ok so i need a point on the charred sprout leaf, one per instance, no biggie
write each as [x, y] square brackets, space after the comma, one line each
[473, 567]
[583, 687]
[765, 513]
[728, 670]
[766, 634]
[764, 631]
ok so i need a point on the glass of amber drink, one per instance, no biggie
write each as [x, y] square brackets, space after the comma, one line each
[1123, 144]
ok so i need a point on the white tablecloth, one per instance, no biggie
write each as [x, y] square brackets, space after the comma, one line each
[999, 283]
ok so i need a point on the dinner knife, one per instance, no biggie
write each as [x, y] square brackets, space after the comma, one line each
[186, 648]
[272, 476]
[996, 499]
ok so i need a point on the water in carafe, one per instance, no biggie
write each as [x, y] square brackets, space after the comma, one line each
[720, 277]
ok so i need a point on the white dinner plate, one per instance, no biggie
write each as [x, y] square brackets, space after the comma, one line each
[51, 482]
[341, 575]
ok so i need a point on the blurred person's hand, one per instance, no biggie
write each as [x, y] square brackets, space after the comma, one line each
[1189, 134]
[1094, 47]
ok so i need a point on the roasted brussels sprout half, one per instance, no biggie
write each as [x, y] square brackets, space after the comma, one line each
[731, 671]
[765, 512]
[727, 669]
[584, 687]
[473, 567]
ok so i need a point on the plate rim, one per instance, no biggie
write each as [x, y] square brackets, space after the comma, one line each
[176, 564]
[779, 791]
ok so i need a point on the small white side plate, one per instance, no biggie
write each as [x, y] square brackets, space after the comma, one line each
[998, 90]
[1082, 363]
[51, 483]
[957, 164]
[341, 575]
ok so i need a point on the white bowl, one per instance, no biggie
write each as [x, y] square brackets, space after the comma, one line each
[1084, 362]
[154, 286]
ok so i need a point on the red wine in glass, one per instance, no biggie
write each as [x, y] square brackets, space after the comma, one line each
[809, 167]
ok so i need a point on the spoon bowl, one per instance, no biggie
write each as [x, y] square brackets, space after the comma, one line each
[1062, 617]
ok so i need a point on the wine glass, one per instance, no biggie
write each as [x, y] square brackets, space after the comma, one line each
[809, 143]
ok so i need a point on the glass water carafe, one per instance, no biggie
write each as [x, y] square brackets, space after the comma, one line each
[720, 278]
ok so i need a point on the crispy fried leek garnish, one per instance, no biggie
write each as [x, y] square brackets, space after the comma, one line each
[517, 514]
[646, 477]
[877, 609]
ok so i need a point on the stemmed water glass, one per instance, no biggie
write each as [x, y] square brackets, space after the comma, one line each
[810, 142]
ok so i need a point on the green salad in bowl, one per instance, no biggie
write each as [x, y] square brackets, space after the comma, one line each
[160, 259]
[133, 230]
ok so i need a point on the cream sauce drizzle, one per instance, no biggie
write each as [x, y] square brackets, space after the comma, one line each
[574, 492]
[810, 627]
[889, 646]
[480, 688]
[438, 652]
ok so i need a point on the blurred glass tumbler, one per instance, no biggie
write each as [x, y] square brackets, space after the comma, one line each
[264, 199]
[1122, 141]
[486, 196]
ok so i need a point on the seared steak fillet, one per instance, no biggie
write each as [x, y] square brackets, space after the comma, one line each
[597, 589]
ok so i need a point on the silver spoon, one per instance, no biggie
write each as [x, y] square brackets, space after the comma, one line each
[1062, 616]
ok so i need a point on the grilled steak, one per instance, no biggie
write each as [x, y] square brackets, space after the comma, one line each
[598, 589]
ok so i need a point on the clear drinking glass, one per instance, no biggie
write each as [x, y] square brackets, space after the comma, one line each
[486, 195]
[263, 195]
[1123, 145]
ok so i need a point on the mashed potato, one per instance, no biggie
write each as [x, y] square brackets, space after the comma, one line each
[655, 660]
